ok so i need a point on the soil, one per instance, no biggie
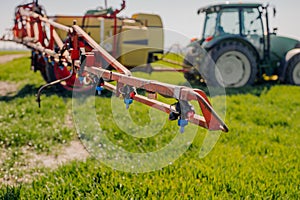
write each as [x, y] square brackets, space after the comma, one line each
[74, 151]
[30, 162]
[64, 154]
[5, 87]
[7, 58]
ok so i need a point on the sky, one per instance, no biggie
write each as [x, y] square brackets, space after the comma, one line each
[179, 17]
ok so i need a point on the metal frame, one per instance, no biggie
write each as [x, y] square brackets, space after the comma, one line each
[80, 52]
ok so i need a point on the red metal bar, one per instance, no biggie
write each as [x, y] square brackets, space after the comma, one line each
[212, 120]
[109, 58]
[196, 119]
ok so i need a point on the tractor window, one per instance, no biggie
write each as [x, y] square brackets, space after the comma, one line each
[229, 22]
[252, 22]
[252, 28]
[210, 24]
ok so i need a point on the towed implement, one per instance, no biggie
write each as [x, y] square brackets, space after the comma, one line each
[133, 41]
[79, 63]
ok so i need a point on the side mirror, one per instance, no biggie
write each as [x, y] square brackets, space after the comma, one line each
[275, 30]
[274, 12]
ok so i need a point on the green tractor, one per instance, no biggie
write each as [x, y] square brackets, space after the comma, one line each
[237, 48]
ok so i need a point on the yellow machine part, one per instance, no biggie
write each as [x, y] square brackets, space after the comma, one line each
[133, 46]
[155, 27]
[101, 29]
[136, 38]
[67, 21]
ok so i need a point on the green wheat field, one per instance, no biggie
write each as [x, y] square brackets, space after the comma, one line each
[259, 158]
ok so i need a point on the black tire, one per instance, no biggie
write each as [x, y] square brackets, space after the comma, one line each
[49, 69]
[50, 72]
[236, 64]
[59, 86]
[189, 75]
[43, 73]
[293, 71]
[38, 64]
[191, 64]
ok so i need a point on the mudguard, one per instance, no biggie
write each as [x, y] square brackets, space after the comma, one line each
[288, 57]
[215, 41]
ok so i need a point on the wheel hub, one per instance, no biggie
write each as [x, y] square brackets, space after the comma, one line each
[233, 69]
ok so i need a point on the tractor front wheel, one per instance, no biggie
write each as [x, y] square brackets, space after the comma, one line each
[293, 71]
[232, 64]
[191, 74]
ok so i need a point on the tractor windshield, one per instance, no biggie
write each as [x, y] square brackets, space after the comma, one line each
[223, 22]
[229, 21]
[242, 21]
[252, 28]
[252, 23]
[210, 25]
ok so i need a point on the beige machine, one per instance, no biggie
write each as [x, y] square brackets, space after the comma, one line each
[133, 41]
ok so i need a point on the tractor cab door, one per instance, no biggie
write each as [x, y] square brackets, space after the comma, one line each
[228, 22]
[209, 25]
[220, 23]
[252, 28]
[236, 21]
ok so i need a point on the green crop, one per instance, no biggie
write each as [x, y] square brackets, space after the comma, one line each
[259, 158]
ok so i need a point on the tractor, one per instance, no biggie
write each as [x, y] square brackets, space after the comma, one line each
[237, 48]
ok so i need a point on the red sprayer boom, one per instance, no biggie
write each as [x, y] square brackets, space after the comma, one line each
[77, 63]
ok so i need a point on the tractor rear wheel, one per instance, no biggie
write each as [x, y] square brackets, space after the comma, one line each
[234, 65]
[293, 71]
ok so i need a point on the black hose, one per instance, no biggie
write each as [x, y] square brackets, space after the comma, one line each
[38, 95]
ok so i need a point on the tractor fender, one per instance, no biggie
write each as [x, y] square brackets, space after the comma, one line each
[209, 45]
[288, 57]
[291, 54]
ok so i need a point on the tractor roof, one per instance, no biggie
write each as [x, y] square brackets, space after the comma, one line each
[217, 7]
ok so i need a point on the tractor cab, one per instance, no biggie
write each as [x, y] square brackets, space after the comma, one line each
[237, 38]
[240, 21]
